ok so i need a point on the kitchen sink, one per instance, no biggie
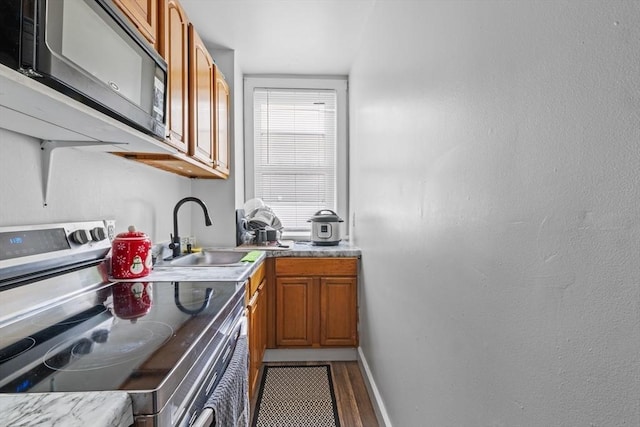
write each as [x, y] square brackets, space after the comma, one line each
[210, 258]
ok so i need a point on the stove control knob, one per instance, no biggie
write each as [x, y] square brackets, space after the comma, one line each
[83, 346]
[100, 336]
[80, 237]
[98, 234]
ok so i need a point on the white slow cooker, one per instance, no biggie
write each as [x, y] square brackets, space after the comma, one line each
[325, 228]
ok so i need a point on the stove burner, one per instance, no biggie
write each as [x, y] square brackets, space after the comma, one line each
[125, 342]
[15, 349]
[71, 321]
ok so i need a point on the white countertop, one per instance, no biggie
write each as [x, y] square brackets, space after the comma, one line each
[90, 408]
[238, 273]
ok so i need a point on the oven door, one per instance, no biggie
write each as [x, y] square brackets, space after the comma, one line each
[64, 44]
[200, 414]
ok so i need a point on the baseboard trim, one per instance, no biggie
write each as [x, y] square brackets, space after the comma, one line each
[372, 389]
[310, 355]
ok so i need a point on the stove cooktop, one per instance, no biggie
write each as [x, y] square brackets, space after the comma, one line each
[129, 336]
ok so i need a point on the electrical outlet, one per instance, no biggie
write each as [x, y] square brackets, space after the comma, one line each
[190, 240]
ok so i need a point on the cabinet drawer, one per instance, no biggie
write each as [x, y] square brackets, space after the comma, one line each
[256, 279]
[316, 266]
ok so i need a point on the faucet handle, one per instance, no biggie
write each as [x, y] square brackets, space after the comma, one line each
[173, 243]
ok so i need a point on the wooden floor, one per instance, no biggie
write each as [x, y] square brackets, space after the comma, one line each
[354, 405]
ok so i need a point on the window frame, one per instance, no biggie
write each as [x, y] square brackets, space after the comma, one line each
[337, 83]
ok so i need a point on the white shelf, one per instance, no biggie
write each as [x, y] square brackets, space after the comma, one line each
[31, 108]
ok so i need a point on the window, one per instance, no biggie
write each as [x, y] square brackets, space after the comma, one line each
[296, 148]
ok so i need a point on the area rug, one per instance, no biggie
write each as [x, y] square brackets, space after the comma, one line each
[296, 396]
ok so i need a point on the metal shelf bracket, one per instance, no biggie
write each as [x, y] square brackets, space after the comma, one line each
[47, 147]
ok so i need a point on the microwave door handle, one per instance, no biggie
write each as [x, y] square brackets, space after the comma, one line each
[28, 45]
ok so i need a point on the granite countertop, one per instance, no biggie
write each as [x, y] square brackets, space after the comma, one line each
[307, 249]
[91, 408]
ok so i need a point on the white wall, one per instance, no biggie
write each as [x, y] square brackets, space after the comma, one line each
[85, 185]
[495, 168]
[237, 104]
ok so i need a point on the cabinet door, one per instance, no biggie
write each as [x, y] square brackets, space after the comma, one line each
[254, 341]
[201, 101]
[257, 318]
[144, 15]
[221, 160]
[176, 53]
[262, 319]
[338, 311]
[294, 311]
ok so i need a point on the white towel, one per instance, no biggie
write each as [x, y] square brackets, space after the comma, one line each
[230, 399]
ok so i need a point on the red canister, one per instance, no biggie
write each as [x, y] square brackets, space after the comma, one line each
[131, 255]
[132, 300]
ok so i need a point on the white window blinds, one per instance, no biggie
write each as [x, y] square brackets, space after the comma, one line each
[295, 152]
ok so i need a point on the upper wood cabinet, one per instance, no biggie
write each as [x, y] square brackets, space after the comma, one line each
[175, 50]
[201, 100]
[144, 15]
[198, 100]
[222, 106]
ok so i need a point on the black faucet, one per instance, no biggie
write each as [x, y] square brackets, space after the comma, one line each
[175, 244]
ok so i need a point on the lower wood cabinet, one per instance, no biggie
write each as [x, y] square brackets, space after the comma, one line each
[257, 324]
[316, 302]
[301, 302]
[295, 311]
[338, 311]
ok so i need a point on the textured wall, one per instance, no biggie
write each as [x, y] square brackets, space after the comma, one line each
[495, 168]
[86, 185]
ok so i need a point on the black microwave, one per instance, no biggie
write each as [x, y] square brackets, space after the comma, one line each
[87, 50]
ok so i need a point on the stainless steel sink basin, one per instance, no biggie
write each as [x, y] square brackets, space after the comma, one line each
[210, 258]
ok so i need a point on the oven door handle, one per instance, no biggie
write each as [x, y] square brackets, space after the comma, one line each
[205, 419]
